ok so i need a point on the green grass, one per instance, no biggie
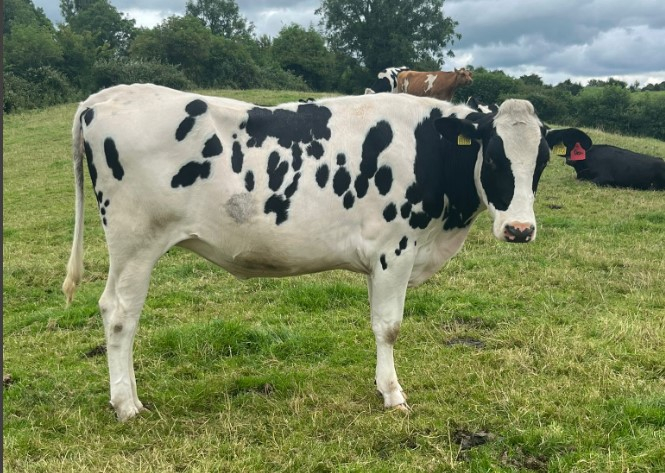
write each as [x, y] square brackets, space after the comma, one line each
[553, 353]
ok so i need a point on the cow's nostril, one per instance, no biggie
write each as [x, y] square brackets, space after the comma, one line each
[519, 233]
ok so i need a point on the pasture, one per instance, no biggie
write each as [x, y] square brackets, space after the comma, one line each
[541, 357]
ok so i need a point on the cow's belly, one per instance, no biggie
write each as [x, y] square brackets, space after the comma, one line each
[258, 259]
[246, 242]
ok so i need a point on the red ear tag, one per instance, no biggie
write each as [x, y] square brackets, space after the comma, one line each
[578, 153]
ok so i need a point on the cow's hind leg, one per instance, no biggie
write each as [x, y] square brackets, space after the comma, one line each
[387, 290]
[120, 306]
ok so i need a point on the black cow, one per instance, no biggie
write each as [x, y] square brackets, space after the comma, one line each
[607, 165]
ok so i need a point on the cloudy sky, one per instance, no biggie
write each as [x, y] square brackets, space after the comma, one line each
[556, 39]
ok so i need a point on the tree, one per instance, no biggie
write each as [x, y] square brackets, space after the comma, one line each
[78, 54]
[383, 33]
[303, 52]
[532, 79]
[222, 17]
[178, 40]
[108, 26]
[31, 46]
[23, 13]
[574, 88]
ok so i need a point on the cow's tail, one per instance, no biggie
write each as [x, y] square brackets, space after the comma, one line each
[75, 264]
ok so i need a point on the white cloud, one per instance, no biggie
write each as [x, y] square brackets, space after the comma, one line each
[148, 18]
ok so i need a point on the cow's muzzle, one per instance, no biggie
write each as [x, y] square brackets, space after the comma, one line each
[519, 232]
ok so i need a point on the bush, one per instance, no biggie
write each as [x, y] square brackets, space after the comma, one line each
[36, 88]
[107, 73]
[553, 106]
[275, 78]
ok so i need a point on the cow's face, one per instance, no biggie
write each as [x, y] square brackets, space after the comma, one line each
[510, 161]
[464, 77]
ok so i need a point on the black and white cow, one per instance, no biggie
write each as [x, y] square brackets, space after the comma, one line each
[479, 106]
[607, 165]
[387, 186]
[386, 80]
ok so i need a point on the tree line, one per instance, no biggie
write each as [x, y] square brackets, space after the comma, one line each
[213, 46]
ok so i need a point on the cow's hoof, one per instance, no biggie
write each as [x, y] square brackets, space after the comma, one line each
[395, 400]
[404, 407]
[127, 411]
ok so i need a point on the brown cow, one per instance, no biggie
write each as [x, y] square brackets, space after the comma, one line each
[438, 84]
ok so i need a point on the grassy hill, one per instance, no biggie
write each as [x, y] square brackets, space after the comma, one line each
[541, 357]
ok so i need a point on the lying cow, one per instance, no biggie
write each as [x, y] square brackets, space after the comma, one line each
[440, 85]
[607, 165]
[386, 80]
[387, 186]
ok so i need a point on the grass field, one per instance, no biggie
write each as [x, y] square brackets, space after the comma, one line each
[540, 357]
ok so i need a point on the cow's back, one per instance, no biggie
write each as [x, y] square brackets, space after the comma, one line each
[614, 166]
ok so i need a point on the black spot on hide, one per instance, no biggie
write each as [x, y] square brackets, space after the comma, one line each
[307, 124]
[276, 171]
[341, 181]
[237, 158]
[296, 154]
[212, 147]
[383, 179]
[390, 212]
[92, 170]
[249, 181]
[113, 159]
[196, 107]
[189, 173]
[315, 149]
[184, 128]
[279, 206]
[322, 174]
[88, 115]
[348, 200]
[293, 187]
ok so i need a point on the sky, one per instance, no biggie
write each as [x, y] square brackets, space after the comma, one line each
[555, 39]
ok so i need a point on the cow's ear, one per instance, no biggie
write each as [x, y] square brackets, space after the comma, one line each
[457, 130]
[567, 137]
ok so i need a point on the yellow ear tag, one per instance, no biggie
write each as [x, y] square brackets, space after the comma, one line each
[559, 149]
[463, 140]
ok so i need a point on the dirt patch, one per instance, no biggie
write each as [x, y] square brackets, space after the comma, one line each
[467, 440]
[99, 350]
[7, 380]
[555, 206]
[467, 341]
[264, 389]
[525, 461]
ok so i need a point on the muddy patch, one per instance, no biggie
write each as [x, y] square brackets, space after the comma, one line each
[263, 389]
[468, 440]
[7, 380]
[99, 350]
[523, 461]
[466, 341]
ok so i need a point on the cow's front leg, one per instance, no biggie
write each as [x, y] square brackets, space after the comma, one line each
[387, 290]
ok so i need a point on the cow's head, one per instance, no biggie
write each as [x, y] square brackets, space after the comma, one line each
[570, 143]
[512, 154]
[463, 77]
